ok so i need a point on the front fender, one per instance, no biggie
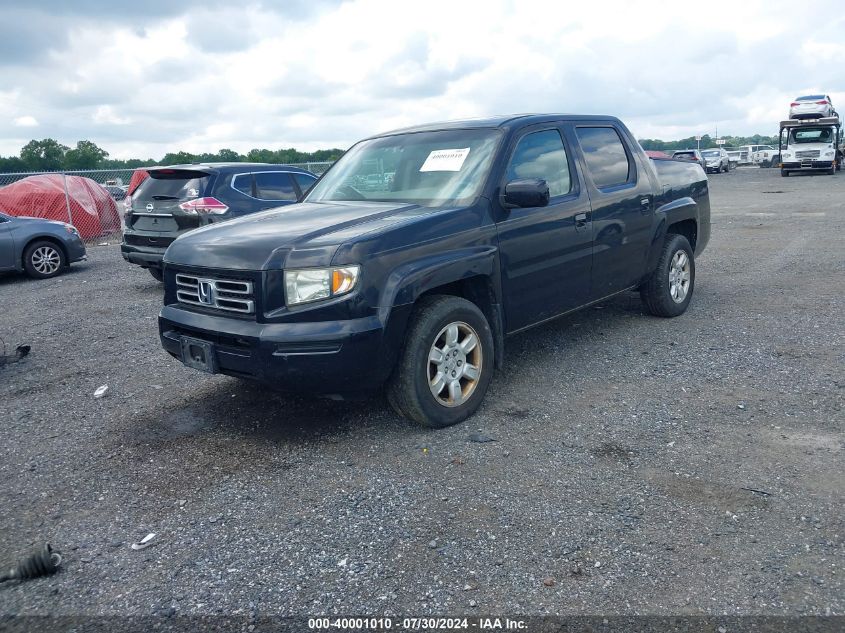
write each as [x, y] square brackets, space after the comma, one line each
[411, 279]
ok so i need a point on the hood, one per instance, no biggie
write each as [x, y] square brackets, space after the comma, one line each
[260, 240]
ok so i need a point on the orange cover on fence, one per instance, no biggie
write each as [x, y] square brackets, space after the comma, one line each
[92, 210]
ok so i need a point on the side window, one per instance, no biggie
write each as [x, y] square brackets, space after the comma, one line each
[542, 155]
[271, 185]
[605, 154]
[243, 183]
[304, 181]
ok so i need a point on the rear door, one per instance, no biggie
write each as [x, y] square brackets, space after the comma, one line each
[7, 244]
[275, 188]
[545, 251]
[622, 204]
[155, 203]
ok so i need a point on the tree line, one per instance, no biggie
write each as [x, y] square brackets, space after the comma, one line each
[50, 155]
[707, 141]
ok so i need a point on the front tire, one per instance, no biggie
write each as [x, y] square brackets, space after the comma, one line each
[44, 259]
[784, 173]
[157, 273]
[667, 291]
[446, 365]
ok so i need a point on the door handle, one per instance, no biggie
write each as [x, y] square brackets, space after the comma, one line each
[645, 204]
[580, 220]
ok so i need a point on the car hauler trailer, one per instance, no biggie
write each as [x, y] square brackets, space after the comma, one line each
[810, 145]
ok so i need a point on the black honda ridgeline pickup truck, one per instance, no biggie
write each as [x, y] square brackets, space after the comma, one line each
[419, 251]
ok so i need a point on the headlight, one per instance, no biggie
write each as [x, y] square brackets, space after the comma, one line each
[829, 153]
[314, 284]
[71, 229]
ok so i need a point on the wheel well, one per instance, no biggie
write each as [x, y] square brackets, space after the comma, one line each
[43, 238]
[478, 290]
[687, 228]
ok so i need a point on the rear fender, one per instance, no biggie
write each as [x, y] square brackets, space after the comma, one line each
[675, 211]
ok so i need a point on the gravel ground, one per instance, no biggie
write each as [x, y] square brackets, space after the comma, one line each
[640, 465]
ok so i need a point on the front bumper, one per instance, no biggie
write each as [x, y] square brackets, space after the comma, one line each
[807, 165]
[75, 250]
[328, 357]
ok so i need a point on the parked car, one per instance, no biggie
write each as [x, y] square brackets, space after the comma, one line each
[765, 155]
[116, 191]
[690, 154]
[716, 160]
[812, 107]
[177, 199]
[490, 226]
[41, 248]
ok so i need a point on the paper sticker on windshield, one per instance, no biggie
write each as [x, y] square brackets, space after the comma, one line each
[445, 160]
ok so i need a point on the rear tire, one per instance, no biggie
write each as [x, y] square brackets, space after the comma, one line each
[44, 259]
[667, 291]
[446, 365]
[157, 273]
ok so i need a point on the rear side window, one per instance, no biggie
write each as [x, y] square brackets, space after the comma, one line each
[605, 154]
[172, 185]
[542, 155]
[304, 181]
[271, 185]
[243, 183]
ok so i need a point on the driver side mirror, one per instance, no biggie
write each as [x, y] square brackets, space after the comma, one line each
[526, 192]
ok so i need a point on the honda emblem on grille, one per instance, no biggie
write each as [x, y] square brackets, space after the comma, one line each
[150, 206]
[205, 290]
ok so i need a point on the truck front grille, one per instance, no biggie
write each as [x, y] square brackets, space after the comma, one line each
[810, 153]
[231, 295]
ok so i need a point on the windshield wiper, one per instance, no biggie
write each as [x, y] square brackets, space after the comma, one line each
[164, 197]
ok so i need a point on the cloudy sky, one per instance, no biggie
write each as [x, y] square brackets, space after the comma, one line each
[144, 78]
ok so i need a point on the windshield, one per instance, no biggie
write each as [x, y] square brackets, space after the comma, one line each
[711, 154]
[812, 135]
[431, 169]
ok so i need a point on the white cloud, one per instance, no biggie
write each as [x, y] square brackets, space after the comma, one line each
[106, 115]
[317, 75]
[26, 121]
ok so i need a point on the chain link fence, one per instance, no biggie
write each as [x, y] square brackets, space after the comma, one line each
[90, 200]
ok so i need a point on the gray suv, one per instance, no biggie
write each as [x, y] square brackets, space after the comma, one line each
[180, 198]
[41, 248]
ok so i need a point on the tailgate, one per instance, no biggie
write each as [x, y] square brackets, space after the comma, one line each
[155, 204]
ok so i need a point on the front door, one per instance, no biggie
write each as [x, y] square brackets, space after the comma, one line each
[545, 251]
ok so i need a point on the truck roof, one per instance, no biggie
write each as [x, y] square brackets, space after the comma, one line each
[501, 121]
